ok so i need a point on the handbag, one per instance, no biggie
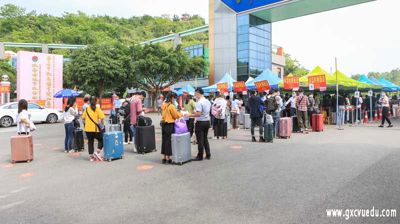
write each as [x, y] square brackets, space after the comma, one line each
[180, 126]
[101, 128]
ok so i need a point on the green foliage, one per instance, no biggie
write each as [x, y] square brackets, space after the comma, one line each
[98, 68]
[293, 66]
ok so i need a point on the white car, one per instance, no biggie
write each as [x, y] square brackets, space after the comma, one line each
[9, 111]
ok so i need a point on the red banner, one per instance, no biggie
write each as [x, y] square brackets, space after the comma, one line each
[319, 82]
[5, 89]
[239, 86]
[222, 87]
[290, 83]
[262, 86]
[106, 104]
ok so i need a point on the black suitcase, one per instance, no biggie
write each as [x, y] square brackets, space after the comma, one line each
[145, 139]
[78, 140]
[144, 121]
[296, 127]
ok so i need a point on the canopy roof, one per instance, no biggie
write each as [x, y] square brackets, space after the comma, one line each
[389, 84]
[226, 78]
[267, 75]
[330, 80]
[187, 89]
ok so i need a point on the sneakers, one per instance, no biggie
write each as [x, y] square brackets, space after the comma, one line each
[253, 139]
[91, 158]
[126, 143]
[390, 126]
[381, 126]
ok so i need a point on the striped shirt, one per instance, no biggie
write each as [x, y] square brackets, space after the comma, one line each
[302, 103]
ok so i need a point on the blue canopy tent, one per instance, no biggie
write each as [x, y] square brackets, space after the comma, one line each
[268, 75]
[390, 84]
[187, 89]
[386, 87]
[365, 79]
[227, 78]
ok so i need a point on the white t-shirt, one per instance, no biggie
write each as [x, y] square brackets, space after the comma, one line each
[69, 116]
[21, 127]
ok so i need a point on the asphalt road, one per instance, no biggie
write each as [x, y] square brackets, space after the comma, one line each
[289, 181]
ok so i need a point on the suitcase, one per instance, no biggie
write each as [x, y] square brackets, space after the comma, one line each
[145, 139]
[21, 148]
[295, 124]
[241, 117]
[113, 145]
[268, 132]
[247, 121]
[285, 127]
[333, 118]
[317, 122]
[181, 148]
[78, 140]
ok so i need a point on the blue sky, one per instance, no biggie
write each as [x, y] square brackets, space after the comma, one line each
[364, 37]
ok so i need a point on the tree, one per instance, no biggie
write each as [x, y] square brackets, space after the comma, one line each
[10, 11]
[293, 67]
[155, 67]
[98, 68]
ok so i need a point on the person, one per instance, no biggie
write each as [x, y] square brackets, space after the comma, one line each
[169, 115]
[384, 101]
[286, 110]
[125, 111]
[302, 104]
[228, 113]
[85, 103]
[218, 111]
[310, 107]
[348, 108]
[202, 115]
[235, 111]
[23, 122]
[70, 114]
[116, 106]
[136, 109]
[256, 115]
[341, 113]
[94, 121]
[190, 107]
[273, 107]
[292, 103]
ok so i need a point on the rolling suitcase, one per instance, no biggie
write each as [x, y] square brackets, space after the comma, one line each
[21, 148]
[317, 122]
[333, 118]
[113, 145]
[145, 139]
[241, 117]
[181, 148]
[268, 132]
[295, 124]
[78, 140]
[247, 121]
[285, 127]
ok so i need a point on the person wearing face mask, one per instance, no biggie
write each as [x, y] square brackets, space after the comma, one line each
[202, 115]
[169, 115]
[384, 101]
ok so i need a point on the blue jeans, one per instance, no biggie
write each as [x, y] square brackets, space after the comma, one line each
[340, 116]
[276, 116]
[69, 136]
[133, 129]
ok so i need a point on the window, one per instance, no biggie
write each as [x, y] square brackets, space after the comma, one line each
[33, 106]
[13, 106]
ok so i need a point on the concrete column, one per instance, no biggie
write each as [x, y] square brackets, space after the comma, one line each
[45, 48]
[2, 50]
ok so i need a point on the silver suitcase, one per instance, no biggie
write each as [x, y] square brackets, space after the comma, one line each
[181, 148]
[241, 117]
[110, 127]
[247, 121]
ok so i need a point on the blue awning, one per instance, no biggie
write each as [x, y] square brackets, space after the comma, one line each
[227, 78]
[268, 75]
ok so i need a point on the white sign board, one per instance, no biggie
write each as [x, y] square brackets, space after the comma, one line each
[370, 93]
[311, 87]
[357, 94]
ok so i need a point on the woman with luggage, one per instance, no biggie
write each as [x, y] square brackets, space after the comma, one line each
[93, 118]
[169, 115]
[70, 114]
[23, 123]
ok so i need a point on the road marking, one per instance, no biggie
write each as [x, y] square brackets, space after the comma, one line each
[25, 175]
[8, 166]
[236, 147]
[8, 206]
[19, 190]
[144, 167]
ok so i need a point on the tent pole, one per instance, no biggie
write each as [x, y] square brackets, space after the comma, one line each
[337, 97]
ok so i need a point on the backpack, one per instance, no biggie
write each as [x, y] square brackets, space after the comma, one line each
[144, 121]
[217, 111]
[271, 104]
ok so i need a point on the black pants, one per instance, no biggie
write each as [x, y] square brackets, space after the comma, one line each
[128, 131]
[385, 115]
[190, 125]
[166, 145]
[219, 127]
[91, 136]
[201, 130]
[257, 122]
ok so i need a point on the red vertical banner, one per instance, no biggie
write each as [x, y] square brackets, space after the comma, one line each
[262, 86]
[291, 82]
[318, 81]
[106, 104]
[239, 86]
[222, 87]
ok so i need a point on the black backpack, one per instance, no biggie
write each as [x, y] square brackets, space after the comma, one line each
[271, 104]
[144, 121]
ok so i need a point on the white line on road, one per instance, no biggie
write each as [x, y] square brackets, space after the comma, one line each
[19, 190]
[8, 206]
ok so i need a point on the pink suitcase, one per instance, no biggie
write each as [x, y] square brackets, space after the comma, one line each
[21, 148]
[285, 127]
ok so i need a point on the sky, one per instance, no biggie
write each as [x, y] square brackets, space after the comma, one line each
[364, 38]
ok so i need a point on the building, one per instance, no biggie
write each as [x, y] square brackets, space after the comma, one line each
[240, 33]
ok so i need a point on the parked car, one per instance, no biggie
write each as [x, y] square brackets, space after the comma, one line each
[9, 111]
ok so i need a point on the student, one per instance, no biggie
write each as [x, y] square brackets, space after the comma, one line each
[169, 115]
[218, 111]
[273, 107]
[302, 116]
[23, 123]
[202, 115]
[190, 107]
[256, 115]
[310, 107]
[69, 116]
[86, 100]
[94, 121]
[125, 110]
[235, 111]
[136, 108]
[292, 103]
[384, 101]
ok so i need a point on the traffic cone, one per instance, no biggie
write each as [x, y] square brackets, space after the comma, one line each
[376, 116]
[365, 117]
